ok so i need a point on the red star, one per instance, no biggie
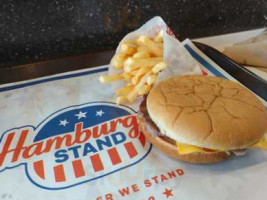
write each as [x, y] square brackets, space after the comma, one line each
[168, 193]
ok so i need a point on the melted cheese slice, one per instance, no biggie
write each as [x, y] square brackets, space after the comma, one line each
[186, 148]
[262, 143]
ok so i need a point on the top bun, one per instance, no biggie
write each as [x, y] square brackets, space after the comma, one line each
[207, 112]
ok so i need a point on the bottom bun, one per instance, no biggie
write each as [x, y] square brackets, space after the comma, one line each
[170, 150]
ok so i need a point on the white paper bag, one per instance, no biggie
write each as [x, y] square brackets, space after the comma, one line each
[175, 55]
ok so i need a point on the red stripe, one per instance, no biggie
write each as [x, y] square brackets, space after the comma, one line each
[114, 156]
[142, 139]
[39, 168]
[131, 150]
[59, 173]
[78, 168]
[97, 163]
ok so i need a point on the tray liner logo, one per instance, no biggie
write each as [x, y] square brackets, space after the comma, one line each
[75, 145]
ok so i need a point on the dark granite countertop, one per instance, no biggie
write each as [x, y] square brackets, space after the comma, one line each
[37, 30]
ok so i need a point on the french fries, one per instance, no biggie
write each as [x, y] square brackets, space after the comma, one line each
[127, 49]
[108, 79]
[118, 59]
[144, 90]
[141, 54]
[126, 76]
[139, 62]
[139, 74]
[159, 37]
[151, 79]
[125, 90]
[143, 48]
[121, 100]
[159, 67]
[134, 93]
[135, 63]
[134, 72]
[152, 46]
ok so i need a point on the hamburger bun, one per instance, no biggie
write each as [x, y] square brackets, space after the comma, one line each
[206, 112]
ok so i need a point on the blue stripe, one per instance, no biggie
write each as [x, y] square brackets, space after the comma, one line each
[201, 60]
[22, 85]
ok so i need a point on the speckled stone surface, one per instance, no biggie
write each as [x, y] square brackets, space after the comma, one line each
[36, 30]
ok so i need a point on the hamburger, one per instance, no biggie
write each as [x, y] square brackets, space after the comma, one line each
[202, 119]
